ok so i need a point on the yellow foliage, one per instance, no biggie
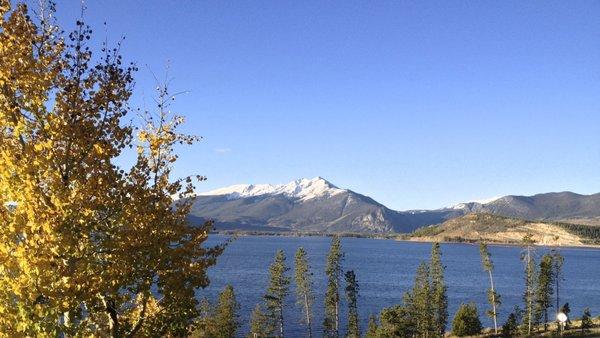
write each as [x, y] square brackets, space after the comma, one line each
[87, 248]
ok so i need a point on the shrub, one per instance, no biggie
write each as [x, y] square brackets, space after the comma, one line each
[586, 320]
[466, 321]
[511, 327]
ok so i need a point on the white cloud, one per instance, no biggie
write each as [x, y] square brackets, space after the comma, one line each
[222, 150]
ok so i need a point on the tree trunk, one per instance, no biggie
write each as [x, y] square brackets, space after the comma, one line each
[493, 302]
[113, 317]
[281, 322]
[337, 319]
[307, 315]
[529, 293]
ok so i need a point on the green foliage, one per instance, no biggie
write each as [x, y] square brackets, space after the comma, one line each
[204, 324]
[333, 270]
[226, 315]
[277, 291]
[304, 285]
[492, 296]
[530, 278]
[427, 231]
[486, 259]
[259, 324]
[438, 290]
[396, 321]
[589, 233]
[511, 327]
[352, 298]
[466, 321]
[557, 264]
[419, 302]
[586, 320]
[372, 328]
[221, 321]
[544, 289]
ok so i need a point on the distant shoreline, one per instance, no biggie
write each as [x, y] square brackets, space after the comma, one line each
[395, 237]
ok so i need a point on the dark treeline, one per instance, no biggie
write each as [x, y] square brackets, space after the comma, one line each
[422, 313]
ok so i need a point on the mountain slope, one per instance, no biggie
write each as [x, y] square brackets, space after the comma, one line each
[301, 205]
[316, 205]
[477, 227]
[561, 206]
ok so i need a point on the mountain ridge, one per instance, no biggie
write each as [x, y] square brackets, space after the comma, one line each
[318, 205]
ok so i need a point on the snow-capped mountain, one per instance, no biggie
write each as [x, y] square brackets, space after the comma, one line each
[305, 205]
[303, 189]
[318, 205]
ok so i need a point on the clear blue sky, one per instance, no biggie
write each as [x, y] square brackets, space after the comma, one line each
[416, 104]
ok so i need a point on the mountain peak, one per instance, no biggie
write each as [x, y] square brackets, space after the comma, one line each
[303, 188]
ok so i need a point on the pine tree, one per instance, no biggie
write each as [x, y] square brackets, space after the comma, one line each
[419, 303]
[259, 324]
[277, 291]
[530, 274]
[304, 285]
[220, 321]
[398, 321]
[493, 296]
[352, 299]
[226, 314]
[372, 327]
[466, 321]
[544, 289]
[333, 270]
[204, 324]
[557, 264]
[511, 327]
[438, 291]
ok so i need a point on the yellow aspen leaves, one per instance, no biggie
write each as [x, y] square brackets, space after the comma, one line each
[88, 248]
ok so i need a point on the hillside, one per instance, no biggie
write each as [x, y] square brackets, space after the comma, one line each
[302, 205]
[476, 227]
[557, 206]
[317, 205]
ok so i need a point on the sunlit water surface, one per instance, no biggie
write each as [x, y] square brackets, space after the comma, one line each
[385, 270]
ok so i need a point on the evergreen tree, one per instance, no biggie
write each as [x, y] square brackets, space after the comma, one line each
[204, 325]
[419, 303]
[511, 327]
[277, 292]
[259, 324]
[220, 321]
[372, 328]
[333, 270]
[544, 289]
[226, 314]
[513, 323]
[438, 291]
[397, 321]
[586, 320]
[304, 286]
[493, 296]
[557, 264]
[352, 298]
[466, 321]
[529, 294]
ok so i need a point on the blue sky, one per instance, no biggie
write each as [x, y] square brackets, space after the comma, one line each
[416, 104]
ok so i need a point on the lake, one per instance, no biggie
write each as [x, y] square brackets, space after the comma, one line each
[385, 270]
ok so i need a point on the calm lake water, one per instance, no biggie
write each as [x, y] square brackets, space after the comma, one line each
[385, 270]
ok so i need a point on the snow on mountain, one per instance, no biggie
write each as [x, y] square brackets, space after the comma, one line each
[474, 203]
[303, 189]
